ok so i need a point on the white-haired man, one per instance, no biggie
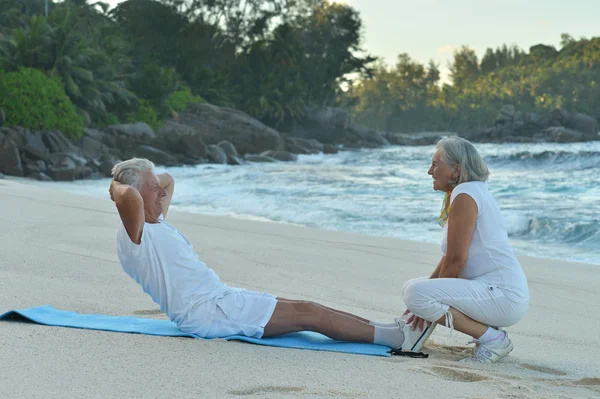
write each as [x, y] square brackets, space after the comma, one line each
[163, 262]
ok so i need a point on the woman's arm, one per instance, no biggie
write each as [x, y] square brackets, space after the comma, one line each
[436, 272]
[461, 223]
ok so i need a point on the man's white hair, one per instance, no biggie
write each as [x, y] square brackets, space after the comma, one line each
[458, 151]
[130, 171]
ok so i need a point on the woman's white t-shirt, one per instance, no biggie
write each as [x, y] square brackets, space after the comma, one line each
[491, 258]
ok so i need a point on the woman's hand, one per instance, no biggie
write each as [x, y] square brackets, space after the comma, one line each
[415, 321]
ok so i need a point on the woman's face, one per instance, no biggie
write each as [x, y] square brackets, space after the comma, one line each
[441, 173]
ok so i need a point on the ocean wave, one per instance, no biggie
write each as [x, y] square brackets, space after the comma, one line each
[556, 230]
[565, 160]
[549, 203]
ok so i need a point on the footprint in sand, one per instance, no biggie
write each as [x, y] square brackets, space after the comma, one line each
[542, 369]
[264, 389]
[589, 383]
[451, 350]
[454, 374]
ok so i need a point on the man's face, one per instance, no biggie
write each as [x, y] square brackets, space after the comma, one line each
[152, 193]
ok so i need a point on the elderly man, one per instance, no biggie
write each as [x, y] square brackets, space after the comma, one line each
[163, 262]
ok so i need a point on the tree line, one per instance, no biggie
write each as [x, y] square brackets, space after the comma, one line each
[78, 63]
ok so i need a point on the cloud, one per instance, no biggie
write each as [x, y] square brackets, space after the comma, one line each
[447, 49]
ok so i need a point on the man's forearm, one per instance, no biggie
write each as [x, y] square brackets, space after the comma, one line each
[165, 180]
[121, 191]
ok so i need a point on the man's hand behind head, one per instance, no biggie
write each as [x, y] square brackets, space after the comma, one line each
[111, 189]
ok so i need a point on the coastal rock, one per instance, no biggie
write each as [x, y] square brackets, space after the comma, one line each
[334, 126]
[10, 160]
[233, 157]
[412, 139]
[57, 142]
[155, 155]
[92, 148]
[280, 155]
[562, 134]
[216, 154]
[61, 173]
[585, 124]
[215, 124]
[107, 161]
[41, 176]
[181, 139]
[127, 137]
[358, 136]
[35, 145]
[506, 114]
[299, 145]
[2, 117]
[259, 158]
[330, 149]
[560, 117]
[533, 119]
[108, 139]
[30, 166]
[327, 125]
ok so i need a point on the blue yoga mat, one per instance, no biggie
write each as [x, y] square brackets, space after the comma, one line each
[49, 316]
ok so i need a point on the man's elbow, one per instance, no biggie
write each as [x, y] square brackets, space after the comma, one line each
[129, 195]
[165, 179]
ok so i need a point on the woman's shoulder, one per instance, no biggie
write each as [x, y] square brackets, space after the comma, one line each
[475, 189]
[471, 187]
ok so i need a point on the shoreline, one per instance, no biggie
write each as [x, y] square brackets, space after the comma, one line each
[248, 217]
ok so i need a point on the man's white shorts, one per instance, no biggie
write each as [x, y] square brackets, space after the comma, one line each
[241, 312]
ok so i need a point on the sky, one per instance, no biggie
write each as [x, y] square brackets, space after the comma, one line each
[432, 30]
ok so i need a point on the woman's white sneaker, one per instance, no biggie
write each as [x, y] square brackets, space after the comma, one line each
[490, 351]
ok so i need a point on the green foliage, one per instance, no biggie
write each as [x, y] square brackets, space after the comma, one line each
[79, 45]
[106, 119]
[179, 101]
[146, 60]
[33, 100]
[145, 113]
[154, 84]
[399, 99]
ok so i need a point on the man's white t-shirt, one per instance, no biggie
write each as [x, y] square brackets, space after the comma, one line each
[491, 258]
[168, 269]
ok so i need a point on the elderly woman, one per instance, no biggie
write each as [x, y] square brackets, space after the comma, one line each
[478, 285]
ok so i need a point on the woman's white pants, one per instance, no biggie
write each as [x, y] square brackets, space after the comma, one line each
[430, 299]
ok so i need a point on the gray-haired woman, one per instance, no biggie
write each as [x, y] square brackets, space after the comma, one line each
[479, 285]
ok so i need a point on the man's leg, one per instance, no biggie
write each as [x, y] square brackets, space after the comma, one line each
[326, 307]
[294, 316]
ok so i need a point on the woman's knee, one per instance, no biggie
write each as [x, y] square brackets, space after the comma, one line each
[410, 282]
[412, 294]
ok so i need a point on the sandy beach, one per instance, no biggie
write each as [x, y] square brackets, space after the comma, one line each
[59, 249]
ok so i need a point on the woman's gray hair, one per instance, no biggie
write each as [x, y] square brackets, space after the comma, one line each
[130, 171]
[458, 151]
